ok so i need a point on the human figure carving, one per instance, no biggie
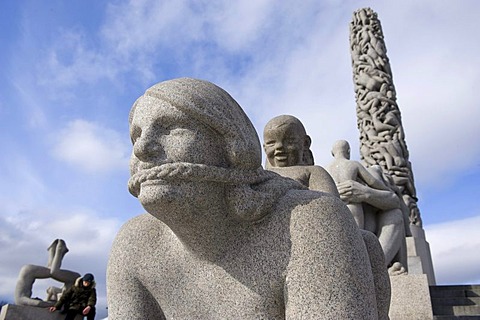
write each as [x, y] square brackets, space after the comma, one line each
[343, 169]
[383, 215]
[223, 238]
[384, 143]
[29, 273]
[287, 149]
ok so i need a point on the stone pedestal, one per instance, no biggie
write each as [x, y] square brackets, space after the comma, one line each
[419, 256]
[410, 298]
[14, 312]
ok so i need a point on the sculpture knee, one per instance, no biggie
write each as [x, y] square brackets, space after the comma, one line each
[391, 217]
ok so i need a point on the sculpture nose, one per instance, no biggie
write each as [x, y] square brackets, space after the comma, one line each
[146, 148]
[278, 145]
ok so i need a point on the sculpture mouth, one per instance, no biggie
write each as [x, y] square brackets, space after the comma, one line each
[281, 157]
[153, 182]
[146, 175]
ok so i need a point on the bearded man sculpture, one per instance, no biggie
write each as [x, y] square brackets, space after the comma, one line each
[223, 238]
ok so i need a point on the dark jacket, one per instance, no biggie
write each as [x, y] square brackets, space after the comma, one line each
[78, 296]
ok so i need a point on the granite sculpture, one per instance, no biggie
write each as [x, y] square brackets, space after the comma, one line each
[343, 169]
[29, 273]
[287, 149]
[382, 138]
[382, 210]
[223, 238]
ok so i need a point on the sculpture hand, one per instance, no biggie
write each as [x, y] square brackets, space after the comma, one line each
[352, 192]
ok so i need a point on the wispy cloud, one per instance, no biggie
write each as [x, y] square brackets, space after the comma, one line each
[454, 246]
[91, 147]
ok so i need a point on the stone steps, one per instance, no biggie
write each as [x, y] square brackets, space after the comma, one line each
[455, 302]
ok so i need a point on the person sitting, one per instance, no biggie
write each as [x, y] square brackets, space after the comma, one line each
[30, 273]
[79, 299]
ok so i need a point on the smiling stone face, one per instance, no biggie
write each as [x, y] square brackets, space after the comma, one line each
[284, 142]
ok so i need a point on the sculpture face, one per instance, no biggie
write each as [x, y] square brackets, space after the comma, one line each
[284, 145]
[162, 134]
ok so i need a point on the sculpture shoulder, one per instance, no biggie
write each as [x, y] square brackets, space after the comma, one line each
[314, 204]
[141, 232]
[139, 224]
[133, 259]
[321, 180]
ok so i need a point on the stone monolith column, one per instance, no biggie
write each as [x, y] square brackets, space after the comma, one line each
[382, 138]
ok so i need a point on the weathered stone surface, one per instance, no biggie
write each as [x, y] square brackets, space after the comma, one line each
[419, 256]
[382, 139]
[343, 169]
[14, 312]
[410, 298]
[373, 203]
[287, 149]
[223, 238]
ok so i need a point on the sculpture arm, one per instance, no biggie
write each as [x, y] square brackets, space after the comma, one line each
[354, 192]
[327, 257]
[321, 180]
[126, 294]
[369, 179]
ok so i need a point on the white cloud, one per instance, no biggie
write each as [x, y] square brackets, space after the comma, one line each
[70, 62]
[454, 246]
[91, 147]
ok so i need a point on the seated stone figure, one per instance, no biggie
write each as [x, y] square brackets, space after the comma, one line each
[223, 238]
[287, 149]
[29, 273]
[343, 169]
[384, 214]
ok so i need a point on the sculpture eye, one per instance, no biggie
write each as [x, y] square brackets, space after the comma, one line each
[270, 143]
[135, 133]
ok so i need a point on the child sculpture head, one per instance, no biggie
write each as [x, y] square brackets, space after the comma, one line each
[286, 142]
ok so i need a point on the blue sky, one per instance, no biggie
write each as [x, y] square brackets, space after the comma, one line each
[70, 71]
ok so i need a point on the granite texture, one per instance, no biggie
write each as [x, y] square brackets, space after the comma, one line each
[419, 256]
[287, 149]
[410, 298]
[382, 138]
[223, 238]
[374, 204]
[343, 169]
